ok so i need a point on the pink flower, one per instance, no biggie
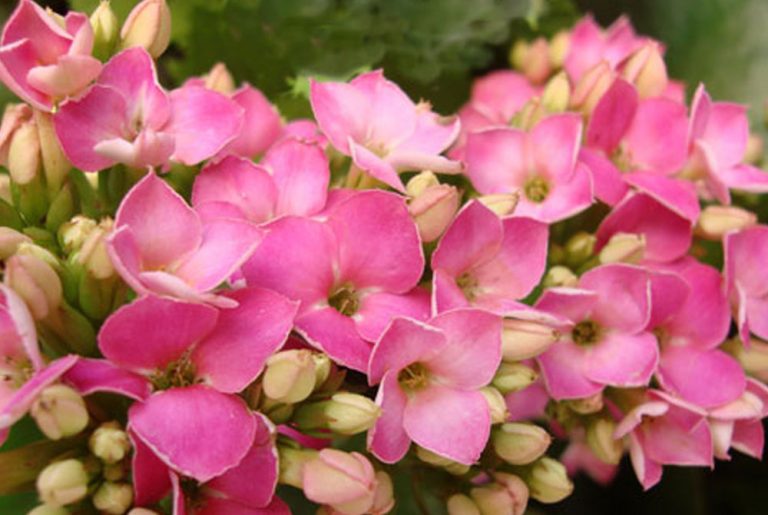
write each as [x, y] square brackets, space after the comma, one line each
[127, 117]
[541, 165]
[662, 430]
[604, 341]
[352, 272]
[44, 60]
[197, 357]
[261, 123]
[487, 262]
[374, 122]
[292, 179]
[746, 279]
[738, 424]
[430, 374]
[160, 245]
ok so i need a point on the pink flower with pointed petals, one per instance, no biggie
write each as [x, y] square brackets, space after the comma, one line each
[261, 123]
[160, 245]
[663, 430]
[589, 44]
[746, 279]
[605, 341]
[429, 375]
[42, 61]
[372, 120]
[541, 165]
[197, 358]
[292, 179]
[352, 272]
[128, 118]
[487, 262]
[738, 424]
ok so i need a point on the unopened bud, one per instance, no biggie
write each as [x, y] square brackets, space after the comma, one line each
[14, 116]
[558, 48]
[219, 79]
[323, 366]
[35, 282]
[753, 359]
[73, 234]
[600, 440]
[716, 221]
[149, 26]
[503, 204]
[433, 210]
[496, 404]
[113, 498]
[292, 462]
[453, 467]
[10, 240]
[523, 339]
[105, 30]
[508, 494]
[560, 276]
[579, 248]
[513, 377]
[587, 405]
[350, 413]
[755, 149]
[591, 87]
[520, 444]
[384, 495]
[59, 412]
[45, 509]
[420, 183]
[646, 69]
[24, 154]
[532, 59]
[141, 511]
[623, 248]
[548, 481]
[529, 115]
[62, 483]
[557, 94]
[109, 443]
[460, 504]
[344, 481]
[93, 254]
[56, 166]
[290, 376]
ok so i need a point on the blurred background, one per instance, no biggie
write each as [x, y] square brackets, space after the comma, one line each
[434, 49]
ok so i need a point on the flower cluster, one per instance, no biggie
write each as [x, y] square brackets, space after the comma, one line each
[202, 300]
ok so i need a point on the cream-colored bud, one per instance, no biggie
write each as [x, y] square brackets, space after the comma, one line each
[452, 467]
[579, 248]
[59, 412]
[384, 495]
[73, 234]
[109, 443]
[45, 509]
[105, 26]
[420, 183]
[755, 149]
[587, 405]
[508, 494]
[591, 87]
[548, 481]
[94, 255]
[623, 248]
[10, 239]
[558, 276]
[518, 443]
[219, 79]
[646, 69]
[35, 281]
[513, 377]
[141, 511]
[323, 365]
[24, 154]
[62, 483]
[716, 221]
[557, 94]
[503, 204]
[350, 413]
[290, 376]
[496, 404]
[433, 210]
[600, 439]
[523, 339]
[558, 48]
[113, 498]
[149, 26]
[460, 504]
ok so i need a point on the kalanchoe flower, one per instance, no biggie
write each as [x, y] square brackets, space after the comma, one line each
[738, 424]
[160, 245]
[430, 375]
[128, 118]
[487, 262]
[372, 120]
[539, 165]
[45, 58]
[292, 179]
[746, 280]
[197, 357]
[604, 341]
[352, 273]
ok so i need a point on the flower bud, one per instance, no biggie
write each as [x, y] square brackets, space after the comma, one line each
[24, 154]
[560, 276]
[141, 511]
[384, 496]
[323, 366]
[59, 412]
[523, 339]
[436, 460]
[520, 444]
[56, 166]
[600, 440]
[623, 248]
[646, 69]
[62, 483]
[433, 210]
[587, 405]
[532, 59]
[716, 221]
[579, 248]
[460, 504]
[14, 116]
[513, 377]
[496, 404]
[292, 462]
[45, 509]
[558, 48]
[109, 443]
[350, 413]
[591, 87]
[113, 498]
[557, 94]
[35, 282]
[93, 254]
[529, 115]
[73, 234]
[755, 149]
[548, 481]
[220, 80]
[345, 481]
[290, 376]
[503, 204]
[420, 183]
[148, 25]
[10, 240]
[753, 359]
[508, 494]
[105, 30]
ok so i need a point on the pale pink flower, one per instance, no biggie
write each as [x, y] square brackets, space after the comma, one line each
[746, 279]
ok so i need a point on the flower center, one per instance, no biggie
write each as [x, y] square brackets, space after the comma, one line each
[178, 374]
[413, 377]
[14, 373]
[586, 332]
[345, 300]
[468, 286]
[536, 189]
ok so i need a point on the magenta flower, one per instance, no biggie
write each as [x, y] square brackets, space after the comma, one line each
[197, 357]
[430, 374]
[746, 279]
[541, 165]
[605, 341]
[738, 424]
[486, 262]
[42, 61]
[372, 120]
[261, 123]
[160, 245]
[292, 179]
[128, 118]
[352, 272]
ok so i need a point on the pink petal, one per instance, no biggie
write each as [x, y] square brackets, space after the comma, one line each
[496, 160]
[233, 354]
[623, 296]
[387, 440]
[501, 92]
[453, 423]
[749, 438]
[377, 309]
[648, 472]
[706, 378]
[261, 123]
[166, 284]
[150, 475]
[203, 121]
[679, 438]
[571, 303]
[612, 117]
[215, 506]
[375, 166]
[746, 253]
[341, 110]
[745, 177]
[23, 326]
[336, 335]
[668, 294]
[565, 198]
[88, 376]
[474, 237]
[607, 180]
[446, 294]
[678, 195]
[563, 370]
[727, 132]
[649, 152]
[16, 59]
[70, 75]
[432, 134]
[555, 141]
[392, 115]
[197, 431]
[622, 360]
[301, 173]
[152, 332]
[404, 342]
